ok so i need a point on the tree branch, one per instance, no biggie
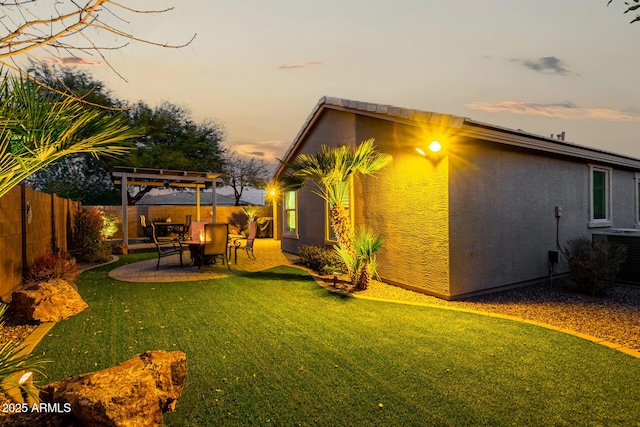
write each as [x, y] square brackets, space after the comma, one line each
[33, 31]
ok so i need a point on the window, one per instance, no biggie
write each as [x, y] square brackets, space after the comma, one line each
[290, 213]
[331, 232]
[600, 196]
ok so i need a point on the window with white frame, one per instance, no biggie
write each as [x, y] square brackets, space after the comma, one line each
[330, 231]
[290, 213]
[600, 196]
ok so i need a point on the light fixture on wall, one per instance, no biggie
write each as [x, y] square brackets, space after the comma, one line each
[434, 147]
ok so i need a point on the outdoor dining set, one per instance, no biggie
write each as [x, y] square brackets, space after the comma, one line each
[206, 242]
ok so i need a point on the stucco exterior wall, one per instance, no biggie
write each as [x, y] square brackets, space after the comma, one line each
[333, 129]
[406, 203]
[502, 217]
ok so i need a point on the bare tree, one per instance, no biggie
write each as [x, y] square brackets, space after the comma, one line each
[242, 172]
[67, 31]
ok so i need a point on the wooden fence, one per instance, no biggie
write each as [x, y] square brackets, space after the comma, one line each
[31, 224]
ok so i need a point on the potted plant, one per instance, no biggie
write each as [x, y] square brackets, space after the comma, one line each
[251, 212]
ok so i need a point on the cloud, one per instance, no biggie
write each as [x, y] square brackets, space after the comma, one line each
[264, 150]
[72, 61]
[291, 65]
[564, 110]
[547, 65]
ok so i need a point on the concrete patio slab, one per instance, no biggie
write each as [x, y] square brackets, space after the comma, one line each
[267, 252]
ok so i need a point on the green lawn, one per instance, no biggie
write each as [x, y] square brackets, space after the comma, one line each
[273, 348]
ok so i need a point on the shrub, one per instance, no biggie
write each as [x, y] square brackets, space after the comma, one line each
[319, 259]
[594, 266]
[87, 246]
[51, 266]
[239, 220]
[109, 225]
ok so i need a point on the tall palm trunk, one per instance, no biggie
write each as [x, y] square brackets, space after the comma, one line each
[364, 277]
[341, 222]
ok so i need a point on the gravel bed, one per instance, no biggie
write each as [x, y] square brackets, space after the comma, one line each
[614, 317]
[15, 330]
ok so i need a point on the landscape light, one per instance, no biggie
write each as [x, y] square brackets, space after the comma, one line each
[23, 379]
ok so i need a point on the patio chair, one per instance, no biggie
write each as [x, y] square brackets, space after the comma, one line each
[248, 246]
[146, 228]
[215, 244]
[183, 231]
[166, 249]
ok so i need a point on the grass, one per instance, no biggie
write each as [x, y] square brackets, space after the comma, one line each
[273, 348]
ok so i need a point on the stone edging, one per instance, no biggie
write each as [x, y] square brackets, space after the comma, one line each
[621, 348]
[114, 258]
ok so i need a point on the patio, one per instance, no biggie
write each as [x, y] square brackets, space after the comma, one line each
[267, 252]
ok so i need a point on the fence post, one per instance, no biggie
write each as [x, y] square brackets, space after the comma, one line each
[23, 224]
[54, 240]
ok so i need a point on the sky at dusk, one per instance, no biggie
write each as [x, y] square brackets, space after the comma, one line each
[259, 67]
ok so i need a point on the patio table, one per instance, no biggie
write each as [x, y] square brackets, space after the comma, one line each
[167, 225]
[195, 247]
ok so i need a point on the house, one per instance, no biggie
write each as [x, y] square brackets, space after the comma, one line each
[490, 209]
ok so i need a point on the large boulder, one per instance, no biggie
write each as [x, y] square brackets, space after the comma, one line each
[49, 301]
[134, 393]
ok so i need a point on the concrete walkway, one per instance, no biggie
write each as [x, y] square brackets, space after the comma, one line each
[267, 252]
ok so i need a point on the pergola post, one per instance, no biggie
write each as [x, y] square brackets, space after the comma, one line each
[125, 224]
[213, 201]
[198, 202]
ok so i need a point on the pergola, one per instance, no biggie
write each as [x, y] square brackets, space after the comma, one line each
[163, 178]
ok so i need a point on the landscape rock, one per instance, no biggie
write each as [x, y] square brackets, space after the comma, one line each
[50, 301]
[133, 393]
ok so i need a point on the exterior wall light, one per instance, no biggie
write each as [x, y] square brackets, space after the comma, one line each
[435, 146]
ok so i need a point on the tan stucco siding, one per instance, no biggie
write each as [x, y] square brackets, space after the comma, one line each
[407, 203]
[502, 218]
[408, 206]
[333, 128]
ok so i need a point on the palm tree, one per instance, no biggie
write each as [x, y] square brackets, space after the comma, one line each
[37, 127]
[331, 170]
[363, 259]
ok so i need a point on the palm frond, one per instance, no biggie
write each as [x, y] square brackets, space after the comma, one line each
[38, 127]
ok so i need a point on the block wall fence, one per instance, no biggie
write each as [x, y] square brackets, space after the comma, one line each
[31, 224]
[177, 213]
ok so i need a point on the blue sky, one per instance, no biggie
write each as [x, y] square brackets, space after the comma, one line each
[259, 67]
